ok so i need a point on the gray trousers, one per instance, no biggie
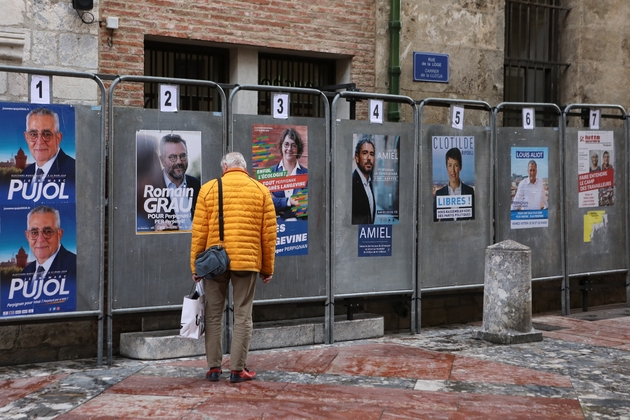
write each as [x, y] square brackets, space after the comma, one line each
[216, 290]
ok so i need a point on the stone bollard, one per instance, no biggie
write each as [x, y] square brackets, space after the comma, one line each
[507, 300]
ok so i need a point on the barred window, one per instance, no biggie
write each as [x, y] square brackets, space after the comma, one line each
[277, 70]
[531, 66]
[163, 59]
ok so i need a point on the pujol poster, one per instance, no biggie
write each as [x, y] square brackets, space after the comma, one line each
[38, 252]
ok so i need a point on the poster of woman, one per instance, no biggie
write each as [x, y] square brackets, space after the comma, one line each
[280, 162]
[453, 178]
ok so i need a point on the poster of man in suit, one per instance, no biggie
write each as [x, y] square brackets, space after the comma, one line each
[168, 180]
[375, 170]
[37, 194]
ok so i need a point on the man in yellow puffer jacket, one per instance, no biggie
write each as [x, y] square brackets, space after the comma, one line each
[250, 242]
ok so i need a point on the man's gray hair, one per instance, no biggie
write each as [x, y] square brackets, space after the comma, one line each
[42, 112]
[234, 160]
[171, 138]
[44, 210]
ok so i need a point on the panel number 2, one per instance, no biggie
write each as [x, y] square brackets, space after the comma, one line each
[169, 98]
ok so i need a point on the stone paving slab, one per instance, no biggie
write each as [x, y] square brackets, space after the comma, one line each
[581, 371]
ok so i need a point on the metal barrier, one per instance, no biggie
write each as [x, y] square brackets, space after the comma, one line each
[327, 250]
[72, 185]
[149, 225]
[300, 196]
[517, 150]
[373, 217]
[596, 222]
[454, 227]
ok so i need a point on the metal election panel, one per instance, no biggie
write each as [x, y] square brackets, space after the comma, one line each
[152, 269]
[452, 253]
[299, 277]
[83, 229]
[545, 242]
[353, 274]
[89, 174]
[596, 236]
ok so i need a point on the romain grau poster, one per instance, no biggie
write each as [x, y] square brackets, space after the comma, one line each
[280, 162]
[168, 179]
[375, 181]
[596, 173]
[38, 251]
[529, 187]
[453, 178]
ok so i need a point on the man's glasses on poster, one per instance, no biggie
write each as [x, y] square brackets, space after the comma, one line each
[45, 135]
[182, 157]
[47, 233]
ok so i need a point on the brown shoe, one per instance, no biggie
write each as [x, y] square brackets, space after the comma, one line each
[241, 375]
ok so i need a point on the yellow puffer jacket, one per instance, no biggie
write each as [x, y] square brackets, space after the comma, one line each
[249, 222]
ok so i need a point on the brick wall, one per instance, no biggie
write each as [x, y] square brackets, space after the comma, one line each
[316, 26]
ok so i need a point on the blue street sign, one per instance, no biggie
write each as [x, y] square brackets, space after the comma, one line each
[430, 67]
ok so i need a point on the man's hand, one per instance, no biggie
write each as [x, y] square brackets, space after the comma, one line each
[196, 278]
[266, 278]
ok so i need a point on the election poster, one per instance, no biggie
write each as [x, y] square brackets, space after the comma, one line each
[596, 174]
[280, 162]
[38, 241]
[529, 187]
[375, 182]
[453, 178]
[168, 180]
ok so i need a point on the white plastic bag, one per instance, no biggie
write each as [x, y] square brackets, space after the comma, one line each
[192, 324]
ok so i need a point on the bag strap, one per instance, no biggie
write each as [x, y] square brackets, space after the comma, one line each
[220, 210]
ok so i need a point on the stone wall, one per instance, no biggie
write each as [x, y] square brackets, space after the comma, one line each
[595, 39]
[470, 31]
[48, 34]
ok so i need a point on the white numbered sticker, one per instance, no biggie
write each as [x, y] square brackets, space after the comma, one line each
[169, 98]
[593, 119]
[457, 117]
[281, 105]
[40, 89]
[528, 118]
[376, 111]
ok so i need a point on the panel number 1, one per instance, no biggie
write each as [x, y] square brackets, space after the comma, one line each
[40, 90]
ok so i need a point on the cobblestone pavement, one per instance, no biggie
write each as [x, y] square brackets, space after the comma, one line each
[581, 370]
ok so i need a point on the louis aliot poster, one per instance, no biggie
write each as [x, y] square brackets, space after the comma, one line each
[280, 162]
[529, 190]
[38, 246]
